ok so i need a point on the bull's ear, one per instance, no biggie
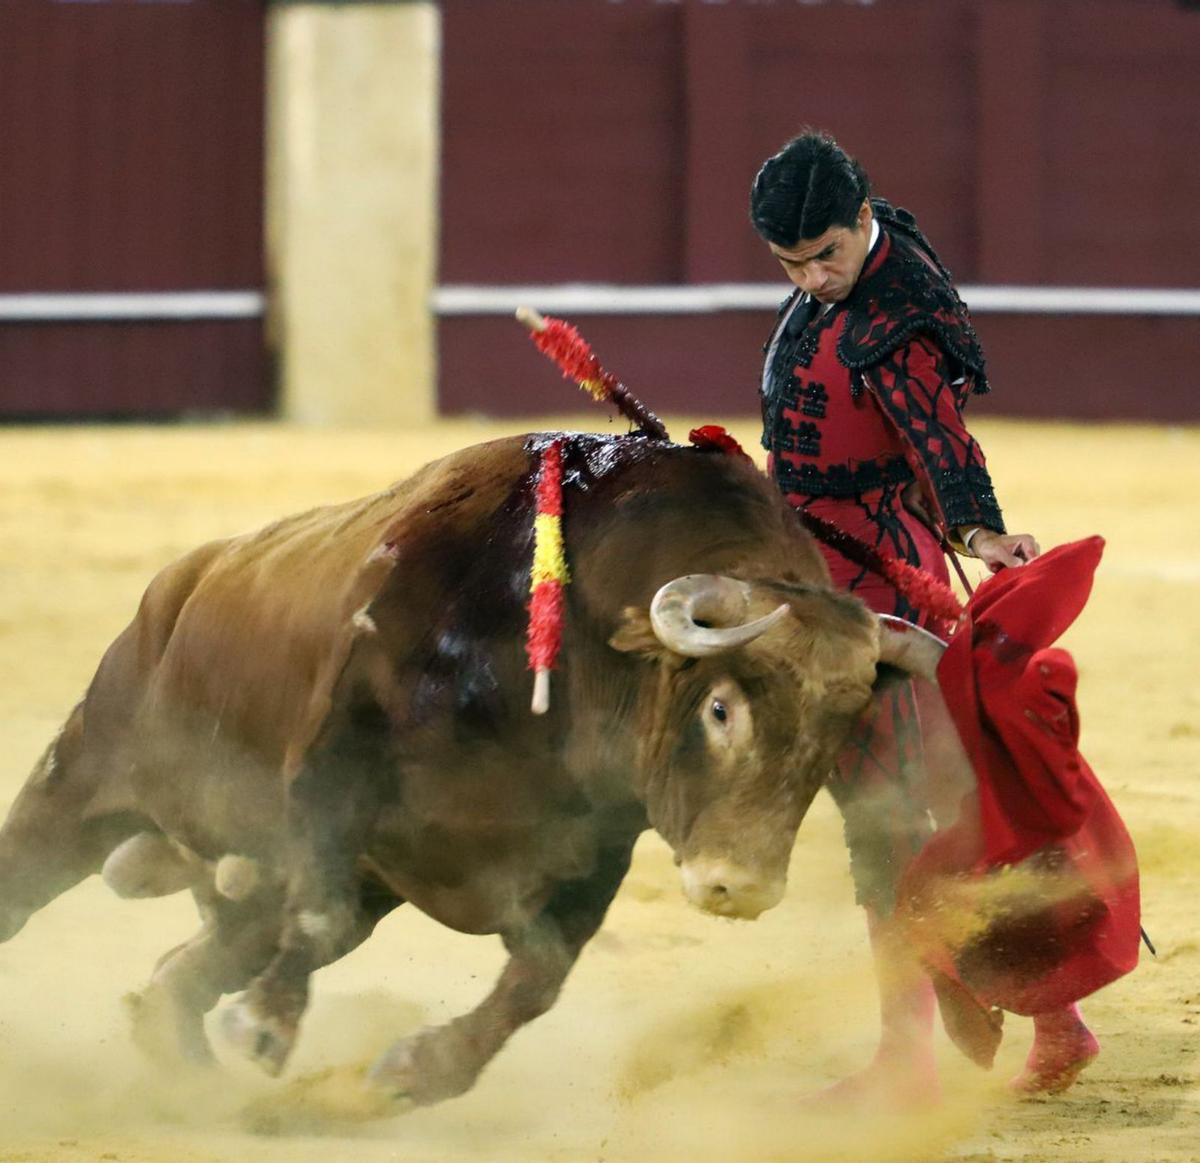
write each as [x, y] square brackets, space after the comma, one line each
[634, 634]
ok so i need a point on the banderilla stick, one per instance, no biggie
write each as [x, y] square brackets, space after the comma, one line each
[562, 343]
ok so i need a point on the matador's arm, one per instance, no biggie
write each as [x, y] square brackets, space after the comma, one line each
[922, 393]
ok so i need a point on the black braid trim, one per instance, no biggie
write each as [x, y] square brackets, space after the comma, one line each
[912, 293]
[839, 480]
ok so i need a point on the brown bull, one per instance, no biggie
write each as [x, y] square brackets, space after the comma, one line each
[314, 723]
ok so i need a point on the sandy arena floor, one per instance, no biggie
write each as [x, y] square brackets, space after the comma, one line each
[678, 1037]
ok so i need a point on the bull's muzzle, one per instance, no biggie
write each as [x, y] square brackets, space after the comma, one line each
[730, 890]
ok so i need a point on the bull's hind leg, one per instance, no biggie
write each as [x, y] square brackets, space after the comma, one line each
[236, 942]
[445, 1061]
[50, 841]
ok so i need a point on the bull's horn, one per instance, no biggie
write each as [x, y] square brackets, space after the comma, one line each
[720, 603]
[909, 647]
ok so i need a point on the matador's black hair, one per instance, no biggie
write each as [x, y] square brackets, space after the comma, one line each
[807, 187]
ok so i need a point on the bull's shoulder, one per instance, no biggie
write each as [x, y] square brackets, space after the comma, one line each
[128, 665]
[167, 594]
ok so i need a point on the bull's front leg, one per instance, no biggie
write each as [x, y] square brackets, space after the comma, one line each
[445, 1061]
[332, 806]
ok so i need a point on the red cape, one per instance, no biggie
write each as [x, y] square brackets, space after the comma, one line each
[1030, 899]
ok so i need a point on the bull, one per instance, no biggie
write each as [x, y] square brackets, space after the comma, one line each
[311, 724]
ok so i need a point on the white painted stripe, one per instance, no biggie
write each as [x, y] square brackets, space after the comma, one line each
[1082, 300]
[584, 298]
[613, 299]
[122, 306]
[608, 299]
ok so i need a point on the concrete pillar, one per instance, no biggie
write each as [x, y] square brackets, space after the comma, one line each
[352, 129]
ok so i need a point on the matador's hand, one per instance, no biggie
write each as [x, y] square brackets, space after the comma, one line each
[1001, 550]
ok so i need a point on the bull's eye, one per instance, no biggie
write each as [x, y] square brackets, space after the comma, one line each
[719, 711]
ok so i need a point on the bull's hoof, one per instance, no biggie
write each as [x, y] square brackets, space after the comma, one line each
[329, 1102]
[266, 1041]
[167, 1032]
[429, 1067]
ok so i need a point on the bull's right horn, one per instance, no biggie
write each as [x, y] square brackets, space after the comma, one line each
[704, 613]
[909, 647]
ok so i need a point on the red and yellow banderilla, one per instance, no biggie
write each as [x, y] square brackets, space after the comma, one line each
[558, 340]
[548, 577]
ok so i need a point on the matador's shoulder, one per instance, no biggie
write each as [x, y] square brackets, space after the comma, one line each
[910, 293]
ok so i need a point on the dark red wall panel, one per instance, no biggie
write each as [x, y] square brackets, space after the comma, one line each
[893, 82]
[154, 369]
[1093, 367]
[132, 145]
[595, 141]
[133, 161]
[1085, 367]
[561, 156]
[1121, 138]
[1044, 142]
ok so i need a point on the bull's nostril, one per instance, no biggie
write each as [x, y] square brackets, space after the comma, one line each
[719, 890]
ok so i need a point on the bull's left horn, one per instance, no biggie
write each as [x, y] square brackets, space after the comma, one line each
[704, 613]
[909, 647]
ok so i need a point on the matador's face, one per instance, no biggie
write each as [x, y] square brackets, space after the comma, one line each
[828, 266]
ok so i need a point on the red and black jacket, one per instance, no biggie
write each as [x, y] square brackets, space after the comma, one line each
[871, 392]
